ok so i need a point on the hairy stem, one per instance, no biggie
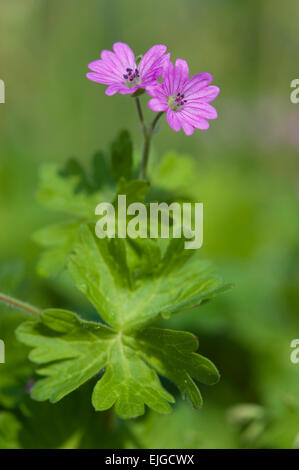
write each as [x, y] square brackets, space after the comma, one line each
[15, 303]
[147, 134]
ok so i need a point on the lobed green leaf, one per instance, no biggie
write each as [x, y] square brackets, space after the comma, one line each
[70, 351]
[127, 297]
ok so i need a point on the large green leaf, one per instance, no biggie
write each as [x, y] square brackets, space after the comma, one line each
[70, 351]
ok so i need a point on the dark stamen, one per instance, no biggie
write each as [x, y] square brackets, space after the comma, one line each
[179, 99]
[130, 75]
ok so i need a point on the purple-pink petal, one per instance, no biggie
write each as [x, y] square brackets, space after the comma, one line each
[157, 91]
[151, 57]
[205, 94]
[112, 60]
[150, 75]
[187, 128]
[98, 78]
[164, 62]
[194, 120]
[105, 74]
[124, 54]
[111, 90]
[168, 80]
[128, 91]
[156, 105]
[189, 117]
[203, 109]
[203, 124]
[197, 83]
[180, 75]
[173, 120]
[175, 77]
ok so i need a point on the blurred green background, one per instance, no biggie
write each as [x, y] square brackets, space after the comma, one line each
[245, 170]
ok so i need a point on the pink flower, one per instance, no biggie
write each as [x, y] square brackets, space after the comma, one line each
[186, 101]
[120, 72]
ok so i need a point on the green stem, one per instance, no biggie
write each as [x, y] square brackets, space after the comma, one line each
[140, 114]
[109, 420]
[15, 303]
[147, 134]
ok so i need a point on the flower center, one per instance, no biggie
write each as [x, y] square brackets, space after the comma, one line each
[175, 102]
[132, 77]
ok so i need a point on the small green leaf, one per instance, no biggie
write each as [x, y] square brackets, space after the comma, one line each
[58, 241]
[101, 174]
[174, 177]
[59, 191]
[60, 194]
[74, 168]
[135, 191]
[122, 156]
